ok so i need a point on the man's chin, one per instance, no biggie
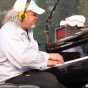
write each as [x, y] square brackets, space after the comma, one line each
[33, 26]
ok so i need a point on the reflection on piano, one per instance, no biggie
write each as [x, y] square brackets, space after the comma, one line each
[69, 42]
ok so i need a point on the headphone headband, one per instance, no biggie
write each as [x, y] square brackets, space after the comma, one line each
[24, 12]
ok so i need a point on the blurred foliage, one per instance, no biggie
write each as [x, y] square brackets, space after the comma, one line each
[64, 9]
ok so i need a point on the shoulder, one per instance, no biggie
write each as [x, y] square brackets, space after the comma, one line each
[8, 25]
[8, 29]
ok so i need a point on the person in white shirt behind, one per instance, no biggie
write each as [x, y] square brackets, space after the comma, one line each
[19, 52]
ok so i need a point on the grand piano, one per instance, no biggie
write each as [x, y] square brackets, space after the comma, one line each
[74, 73]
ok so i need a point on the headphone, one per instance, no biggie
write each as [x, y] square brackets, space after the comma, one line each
[22, 15]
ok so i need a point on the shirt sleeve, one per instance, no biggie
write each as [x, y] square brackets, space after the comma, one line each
[21, 53]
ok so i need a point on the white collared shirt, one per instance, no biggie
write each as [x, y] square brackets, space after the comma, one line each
[18, 53]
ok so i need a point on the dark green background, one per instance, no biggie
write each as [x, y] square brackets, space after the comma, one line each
[64, 9]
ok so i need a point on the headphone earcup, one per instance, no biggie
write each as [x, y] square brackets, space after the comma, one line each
[21, 16]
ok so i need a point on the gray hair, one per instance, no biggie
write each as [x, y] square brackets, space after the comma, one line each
[11, 16]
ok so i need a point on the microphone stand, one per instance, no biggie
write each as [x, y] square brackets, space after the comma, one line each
[48, 22]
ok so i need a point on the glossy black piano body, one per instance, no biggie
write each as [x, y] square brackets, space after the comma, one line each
[76, 74]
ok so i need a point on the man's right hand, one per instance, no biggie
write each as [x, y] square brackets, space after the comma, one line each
[55, 58]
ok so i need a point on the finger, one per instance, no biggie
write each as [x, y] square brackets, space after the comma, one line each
[52, 63]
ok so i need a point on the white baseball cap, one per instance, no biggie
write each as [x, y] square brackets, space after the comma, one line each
[71, 23]
[20, 5]
[68, 22]
[76, 20]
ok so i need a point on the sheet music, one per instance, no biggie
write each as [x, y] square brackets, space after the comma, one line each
[67, 63]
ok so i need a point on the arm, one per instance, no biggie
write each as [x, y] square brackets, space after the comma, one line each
[55, 58]
[21, 53]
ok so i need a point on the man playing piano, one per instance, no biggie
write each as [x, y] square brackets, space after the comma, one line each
[19, 52]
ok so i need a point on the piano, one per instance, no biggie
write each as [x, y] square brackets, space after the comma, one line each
[75, 69]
